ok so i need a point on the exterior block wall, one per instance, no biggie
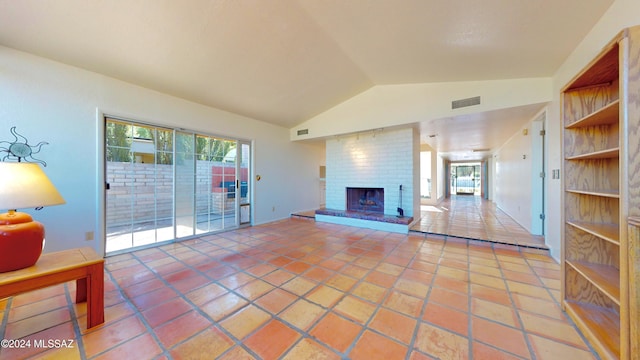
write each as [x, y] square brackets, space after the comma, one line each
[142, 192]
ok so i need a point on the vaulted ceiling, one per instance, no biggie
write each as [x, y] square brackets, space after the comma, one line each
[285, 61]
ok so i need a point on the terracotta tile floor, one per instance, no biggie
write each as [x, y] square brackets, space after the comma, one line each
[297, 289]
[469, 217]
[472, 217]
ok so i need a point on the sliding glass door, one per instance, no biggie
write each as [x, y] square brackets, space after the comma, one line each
[166, 184]
[466, 179]
[244, 164]
[185, 188]
[139, 180]
[216, 175]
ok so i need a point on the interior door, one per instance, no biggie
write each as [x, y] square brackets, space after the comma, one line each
[538, 176]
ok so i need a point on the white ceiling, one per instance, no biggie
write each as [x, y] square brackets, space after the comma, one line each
[471, 137]
[284, 61]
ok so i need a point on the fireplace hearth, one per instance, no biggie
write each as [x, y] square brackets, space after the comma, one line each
[367, 200]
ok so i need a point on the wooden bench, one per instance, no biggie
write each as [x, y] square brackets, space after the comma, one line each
[82, 265]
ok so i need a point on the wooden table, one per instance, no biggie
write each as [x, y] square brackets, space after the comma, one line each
[82, 265]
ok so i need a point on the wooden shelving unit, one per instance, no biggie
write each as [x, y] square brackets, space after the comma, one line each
[634, 270]
[599, 136]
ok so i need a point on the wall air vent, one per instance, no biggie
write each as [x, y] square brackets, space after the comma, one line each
[456, 104]
[303, 132]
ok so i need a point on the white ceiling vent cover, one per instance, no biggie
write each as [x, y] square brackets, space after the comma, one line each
[456, 104]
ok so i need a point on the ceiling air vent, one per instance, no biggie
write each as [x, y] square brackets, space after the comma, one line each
[456, 104]
[303, 132]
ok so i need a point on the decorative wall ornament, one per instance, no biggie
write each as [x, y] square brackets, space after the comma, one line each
[20, 149]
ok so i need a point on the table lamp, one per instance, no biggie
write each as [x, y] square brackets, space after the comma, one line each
[23, 185]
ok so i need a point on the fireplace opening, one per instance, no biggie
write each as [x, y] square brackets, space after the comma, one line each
[369, 200]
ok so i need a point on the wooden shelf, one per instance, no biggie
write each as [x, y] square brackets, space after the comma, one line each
[602, 193]
[604, 116]
[605, 278]
[602, 154]
[600, 325]
[601, 70]
[634, 220]
[601, 176]
[607, 232]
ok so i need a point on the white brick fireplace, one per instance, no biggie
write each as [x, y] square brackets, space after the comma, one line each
[376, 159]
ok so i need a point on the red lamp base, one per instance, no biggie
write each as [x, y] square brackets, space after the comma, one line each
[21, 241]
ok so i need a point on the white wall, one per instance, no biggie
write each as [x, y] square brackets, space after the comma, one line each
[516, 183]
[621, 14]
[385, 106]
[435, 163]
[414, 199]
[52, 102]
[513, 177]
[426, 183]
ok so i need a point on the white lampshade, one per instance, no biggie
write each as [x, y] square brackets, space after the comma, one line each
[25, 185]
